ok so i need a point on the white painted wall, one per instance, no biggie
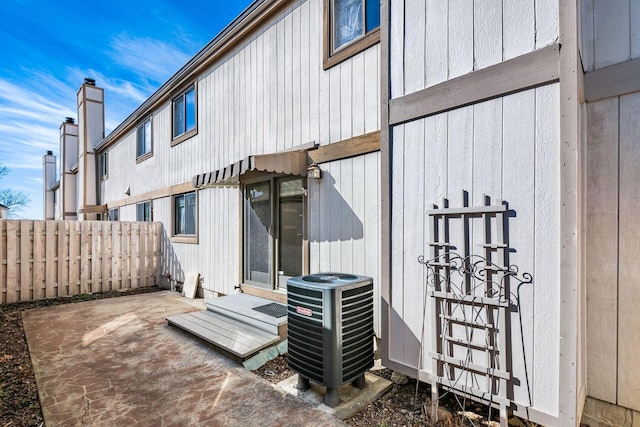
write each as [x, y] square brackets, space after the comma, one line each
[434, 40]
[270, 95]
[613, 236]
[508, 149]
[344, 219]
[609, 30]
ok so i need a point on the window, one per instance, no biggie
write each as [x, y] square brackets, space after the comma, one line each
[184, 214]
[143, 211]
[114, 214]
[351, 26]
[184, 114]
[143, 139]
[104, 165]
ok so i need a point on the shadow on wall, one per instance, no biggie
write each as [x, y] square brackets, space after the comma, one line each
[169, 263]
[336, 221]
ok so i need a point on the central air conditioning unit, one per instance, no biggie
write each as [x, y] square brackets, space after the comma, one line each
[330, 330]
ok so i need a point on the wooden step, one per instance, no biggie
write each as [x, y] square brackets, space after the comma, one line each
[234, 337]
[241, 307]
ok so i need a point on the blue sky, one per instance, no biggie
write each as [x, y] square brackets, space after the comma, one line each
[48, 47]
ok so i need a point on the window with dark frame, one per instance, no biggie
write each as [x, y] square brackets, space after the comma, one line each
[184, 214]
[114, 214]
[352, 19]
[184, 112]
[104, 165]
[143, 211]
[144, 138]
[351, 26]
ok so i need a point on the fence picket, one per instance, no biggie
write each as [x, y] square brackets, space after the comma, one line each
[50, 267]
[12, 261]
[39, 290]
[142, 273]
[63, 258]
[126, 253]
[105, 260]
[135, 255]
[74, 254]
[85, 258]
[26, 257]
[3, 260]
[96, 258]
[116, 256]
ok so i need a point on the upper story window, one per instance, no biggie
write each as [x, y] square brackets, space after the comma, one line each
[104, 165]
[143, 211]
[144, 148]
[184, 115]
[351, 26]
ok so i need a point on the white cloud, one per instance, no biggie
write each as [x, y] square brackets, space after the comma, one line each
[152, 60]
[32, 103]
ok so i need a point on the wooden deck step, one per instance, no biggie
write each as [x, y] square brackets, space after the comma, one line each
[241, 307]
[234, 337]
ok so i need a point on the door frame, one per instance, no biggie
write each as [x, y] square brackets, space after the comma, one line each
[273, 179]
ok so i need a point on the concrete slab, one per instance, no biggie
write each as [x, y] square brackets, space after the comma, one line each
[352, 399]
[116, 362]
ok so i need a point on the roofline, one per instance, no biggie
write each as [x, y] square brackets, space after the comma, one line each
[243, 26]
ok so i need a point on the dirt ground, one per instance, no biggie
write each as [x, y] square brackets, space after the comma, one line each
[402, 405]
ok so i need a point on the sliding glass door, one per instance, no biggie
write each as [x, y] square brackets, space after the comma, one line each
[273, 232]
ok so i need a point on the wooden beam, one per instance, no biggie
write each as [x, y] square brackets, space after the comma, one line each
[616, 80]
[93, 209]
[385, 188]
[152, 195]
[351, 147]
[570, 358]
[527, 71]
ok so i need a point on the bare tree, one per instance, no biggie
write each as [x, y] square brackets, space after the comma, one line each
[14, 200]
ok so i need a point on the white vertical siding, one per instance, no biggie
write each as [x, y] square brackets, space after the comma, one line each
[518, 160]
[344, 229]
[519, 19]
[507, 148]
[610, 31]
[397, 326]
[487, 32]
[460, 52]
[546, 271]
[433, 41]
[612, 250]
[629, 238]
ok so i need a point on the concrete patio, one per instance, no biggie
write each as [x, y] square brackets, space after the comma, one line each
[116, 362]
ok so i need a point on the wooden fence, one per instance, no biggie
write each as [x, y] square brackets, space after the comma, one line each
[48, 259]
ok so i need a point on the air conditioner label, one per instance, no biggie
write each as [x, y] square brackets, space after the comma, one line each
[304, 311]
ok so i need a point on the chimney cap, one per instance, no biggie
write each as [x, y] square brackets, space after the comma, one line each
[89, 81]
[69, 120]
[49, 153]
